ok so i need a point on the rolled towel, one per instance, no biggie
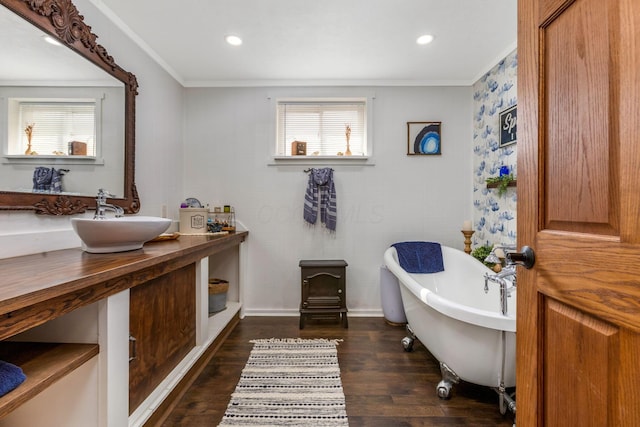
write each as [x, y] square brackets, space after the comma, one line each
[11, 376]
[420, 257]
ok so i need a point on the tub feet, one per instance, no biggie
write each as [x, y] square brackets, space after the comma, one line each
[407, 342]
[449, 378]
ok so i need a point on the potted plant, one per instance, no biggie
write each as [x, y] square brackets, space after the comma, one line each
[501, 182]
[481, 253]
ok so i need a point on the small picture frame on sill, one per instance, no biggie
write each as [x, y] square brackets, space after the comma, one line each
[298, 148]
[424, 138]
[508, 126]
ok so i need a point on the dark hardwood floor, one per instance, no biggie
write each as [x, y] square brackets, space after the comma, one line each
[384, 386]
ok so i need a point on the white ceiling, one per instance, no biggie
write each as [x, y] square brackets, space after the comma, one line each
[26, 59]
[315, 42]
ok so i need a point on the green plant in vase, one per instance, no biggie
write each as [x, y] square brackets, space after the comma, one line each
[502, 182]
[481, 253]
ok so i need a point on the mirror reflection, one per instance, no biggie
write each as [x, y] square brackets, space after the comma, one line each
[62, 118]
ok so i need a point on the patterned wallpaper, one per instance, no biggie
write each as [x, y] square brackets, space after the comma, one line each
[494, 217]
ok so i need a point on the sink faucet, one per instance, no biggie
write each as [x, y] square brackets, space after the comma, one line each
[102, 206]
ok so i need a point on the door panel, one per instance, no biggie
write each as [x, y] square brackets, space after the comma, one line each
[580, 145]
[573, 335]
[578, 318]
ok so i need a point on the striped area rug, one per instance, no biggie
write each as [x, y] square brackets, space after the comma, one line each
[289, 382]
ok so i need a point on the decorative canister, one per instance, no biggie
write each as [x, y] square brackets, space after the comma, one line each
[193, 220]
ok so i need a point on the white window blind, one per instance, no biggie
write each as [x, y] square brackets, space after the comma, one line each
[56, 124]
[322, 125]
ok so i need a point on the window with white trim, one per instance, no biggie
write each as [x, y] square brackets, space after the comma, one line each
[53, 125]
[323, 125]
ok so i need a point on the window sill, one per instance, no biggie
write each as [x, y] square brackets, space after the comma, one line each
[52, 159]
[322, 160]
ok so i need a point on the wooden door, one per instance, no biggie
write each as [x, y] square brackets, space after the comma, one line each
[578, 342]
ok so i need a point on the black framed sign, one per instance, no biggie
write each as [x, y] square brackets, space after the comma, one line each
[508, 126]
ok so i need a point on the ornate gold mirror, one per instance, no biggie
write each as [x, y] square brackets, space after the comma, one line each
[81, 68]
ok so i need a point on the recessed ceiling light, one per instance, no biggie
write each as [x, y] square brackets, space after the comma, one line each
[234, 40]
[51, 40]
[425, 39]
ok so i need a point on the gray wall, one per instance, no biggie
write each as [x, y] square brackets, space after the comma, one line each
[229, 135]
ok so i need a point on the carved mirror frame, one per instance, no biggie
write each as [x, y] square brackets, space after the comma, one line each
[61, 19]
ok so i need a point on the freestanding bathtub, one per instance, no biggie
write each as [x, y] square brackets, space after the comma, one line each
[460, 324]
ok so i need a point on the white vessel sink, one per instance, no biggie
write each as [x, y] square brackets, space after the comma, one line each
[126, 233]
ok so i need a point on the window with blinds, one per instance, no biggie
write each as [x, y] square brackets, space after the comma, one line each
[323, 125]
[57, 124]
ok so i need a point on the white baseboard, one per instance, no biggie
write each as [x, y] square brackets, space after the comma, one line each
[255, 312]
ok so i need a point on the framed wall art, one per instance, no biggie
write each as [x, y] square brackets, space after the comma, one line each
[508, 126]
[424, 138]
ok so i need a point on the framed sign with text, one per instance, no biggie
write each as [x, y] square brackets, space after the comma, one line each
[508, 126]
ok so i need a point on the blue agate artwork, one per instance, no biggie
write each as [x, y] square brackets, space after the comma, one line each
[428, 140]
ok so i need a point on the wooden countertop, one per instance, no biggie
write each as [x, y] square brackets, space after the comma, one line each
[40, 287]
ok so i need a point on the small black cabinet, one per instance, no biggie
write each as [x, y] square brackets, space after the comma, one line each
[323, 290]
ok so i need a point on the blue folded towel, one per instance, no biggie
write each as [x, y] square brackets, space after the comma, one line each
[420, 257]
[11, 376]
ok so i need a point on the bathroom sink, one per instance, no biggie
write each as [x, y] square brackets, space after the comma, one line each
[121, 234]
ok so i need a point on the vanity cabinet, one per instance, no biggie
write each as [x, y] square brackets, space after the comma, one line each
[81, 309]
[162, 325]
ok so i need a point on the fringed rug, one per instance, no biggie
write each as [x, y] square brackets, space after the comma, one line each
[289, 382]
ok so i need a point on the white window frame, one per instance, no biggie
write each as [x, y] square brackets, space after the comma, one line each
[279, 158]
[15, 133]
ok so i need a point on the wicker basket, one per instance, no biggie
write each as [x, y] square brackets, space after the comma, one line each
[218, 289]
[218, 286]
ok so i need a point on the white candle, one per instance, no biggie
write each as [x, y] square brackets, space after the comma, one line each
[466, 226]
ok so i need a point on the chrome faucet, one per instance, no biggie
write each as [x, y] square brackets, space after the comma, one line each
[493, 257]
[500, 279]
[102, 206]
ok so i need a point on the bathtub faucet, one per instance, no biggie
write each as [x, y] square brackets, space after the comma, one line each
[501, 279]
[498, 252]
[508, 271]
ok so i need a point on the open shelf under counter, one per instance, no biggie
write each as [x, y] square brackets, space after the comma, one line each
[219, 320]
[43, 364]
